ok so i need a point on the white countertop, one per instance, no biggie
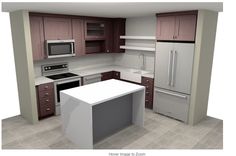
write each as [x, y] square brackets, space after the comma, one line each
[41, 80]
[102, 91]
[97, 70]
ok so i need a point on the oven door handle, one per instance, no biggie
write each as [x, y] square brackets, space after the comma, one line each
[70, 80]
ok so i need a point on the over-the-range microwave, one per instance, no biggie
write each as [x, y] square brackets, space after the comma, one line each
[60, 48]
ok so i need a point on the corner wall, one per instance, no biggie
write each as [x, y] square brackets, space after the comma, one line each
[138, 26]
[203, 59]
[20, 28]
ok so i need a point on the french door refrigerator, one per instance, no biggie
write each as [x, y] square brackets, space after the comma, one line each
[173, 74]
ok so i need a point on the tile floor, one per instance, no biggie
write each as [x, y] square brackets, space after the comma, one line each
[159, 132]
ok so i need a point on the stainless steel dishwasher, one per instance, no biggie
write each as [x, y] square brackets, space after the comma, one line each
[91, 79]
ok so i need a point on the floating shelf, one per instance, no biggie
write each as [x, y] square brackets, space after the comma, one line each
[139, 37]
[137, 48]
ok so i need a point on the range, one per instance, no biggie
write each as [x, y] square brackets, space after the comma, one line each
[62, 80]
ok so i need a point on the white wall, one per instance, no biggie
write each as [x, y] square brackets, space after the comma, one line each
[141, 26]
[92, 60]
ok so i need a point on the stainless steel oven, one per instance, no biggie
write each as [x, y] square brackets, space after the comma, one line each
[63, 79]
[63, 85]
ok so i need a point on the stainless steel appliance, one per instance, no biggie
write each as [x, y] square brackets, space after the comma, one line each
[92, 79]
[173, 74]
[62, 80]
[60, 48]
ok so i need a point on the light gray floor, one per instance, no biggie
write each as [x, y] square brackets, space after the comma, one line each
[159, 132]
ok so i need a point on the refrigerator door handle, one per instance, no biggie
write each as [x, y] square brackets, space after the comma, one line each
[172, 94]
[173, 68]
[170, 67]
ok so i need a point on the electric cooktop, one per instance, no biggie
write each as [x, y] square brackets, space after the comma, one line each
[61, 76]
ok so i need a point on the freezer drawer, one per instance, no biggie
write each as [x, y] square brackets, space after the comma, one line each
[171, 104]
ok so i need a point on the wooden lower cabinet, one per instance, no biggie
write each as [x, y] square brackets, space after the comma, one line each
[110, 75]
[116, 75]
[149, 84]
[45, 100]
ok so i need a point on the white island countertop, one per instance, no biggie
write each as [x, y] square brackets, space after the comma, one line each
[92, 112]
[102, 91]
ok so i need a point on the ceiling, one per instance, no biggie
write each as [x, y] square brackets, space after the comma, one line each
[110, 9]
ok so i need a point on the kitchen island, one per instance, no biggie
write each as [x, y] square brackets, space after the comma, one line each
[92, 112]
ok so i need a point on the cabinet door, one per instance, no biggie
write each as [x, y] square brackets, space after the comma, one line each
[78, 36]
[163, 61]
[109, 37]
[57, 28]
[116, 75]
[94, 29]
[118, 30]
[37, 37]
[165, 27]
[182, 67]
[107, 76]
[185, 27]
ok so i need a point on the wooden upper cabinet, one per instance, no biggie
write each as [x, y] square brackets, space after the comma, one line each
[185, 27]
[37, 37]
[165, 28]
[78, 36]
[57, 28]
[108, 36]
[180, 26]
[118, 30]
[94, 29]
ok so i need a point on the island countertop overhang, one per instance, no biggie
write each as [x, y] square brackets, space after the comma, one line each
[103, 91]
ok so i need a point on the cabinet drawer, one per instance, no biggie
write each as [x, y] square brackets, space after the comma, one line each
[172, 104]
[45, 87]
[146, 81]
[46, 110]
[46, 93]
[46, 101]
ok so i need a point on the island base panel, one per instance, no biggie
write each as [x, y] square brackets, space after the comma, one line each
[111, 116]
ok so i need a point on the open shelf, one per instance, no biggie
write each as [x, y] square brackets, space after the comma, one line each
[96, 46]
[139, 37]
[137, 48]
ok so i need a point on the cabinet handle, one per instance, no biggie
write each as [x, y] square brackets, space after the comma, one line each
[46, 87]
[46, 94]
[172, 94]
[147, 80]
[108, 51]
[146, 100]
[170, 67]
[48, 109]
[147, 87]
[47, 100]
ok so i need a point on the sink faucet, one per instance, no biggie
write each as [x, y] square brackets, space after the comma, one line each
[142, 67]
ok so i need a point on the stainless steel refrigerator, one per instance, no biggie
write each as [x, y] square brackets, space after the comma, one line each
[173, 74]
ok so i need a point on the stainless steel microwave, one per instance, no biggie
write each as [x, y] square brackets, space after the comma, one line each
[60, 48]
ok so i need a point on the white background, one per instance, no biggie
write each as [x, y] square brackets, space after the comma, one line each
[222, 91]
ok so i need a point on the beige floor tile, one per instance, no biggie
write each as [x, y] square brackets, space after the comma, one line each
[159, 132]
[13, 145]
[8, 137]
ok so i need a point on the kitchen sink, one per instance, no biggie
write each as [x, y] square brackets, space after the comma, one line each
[133, 75]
